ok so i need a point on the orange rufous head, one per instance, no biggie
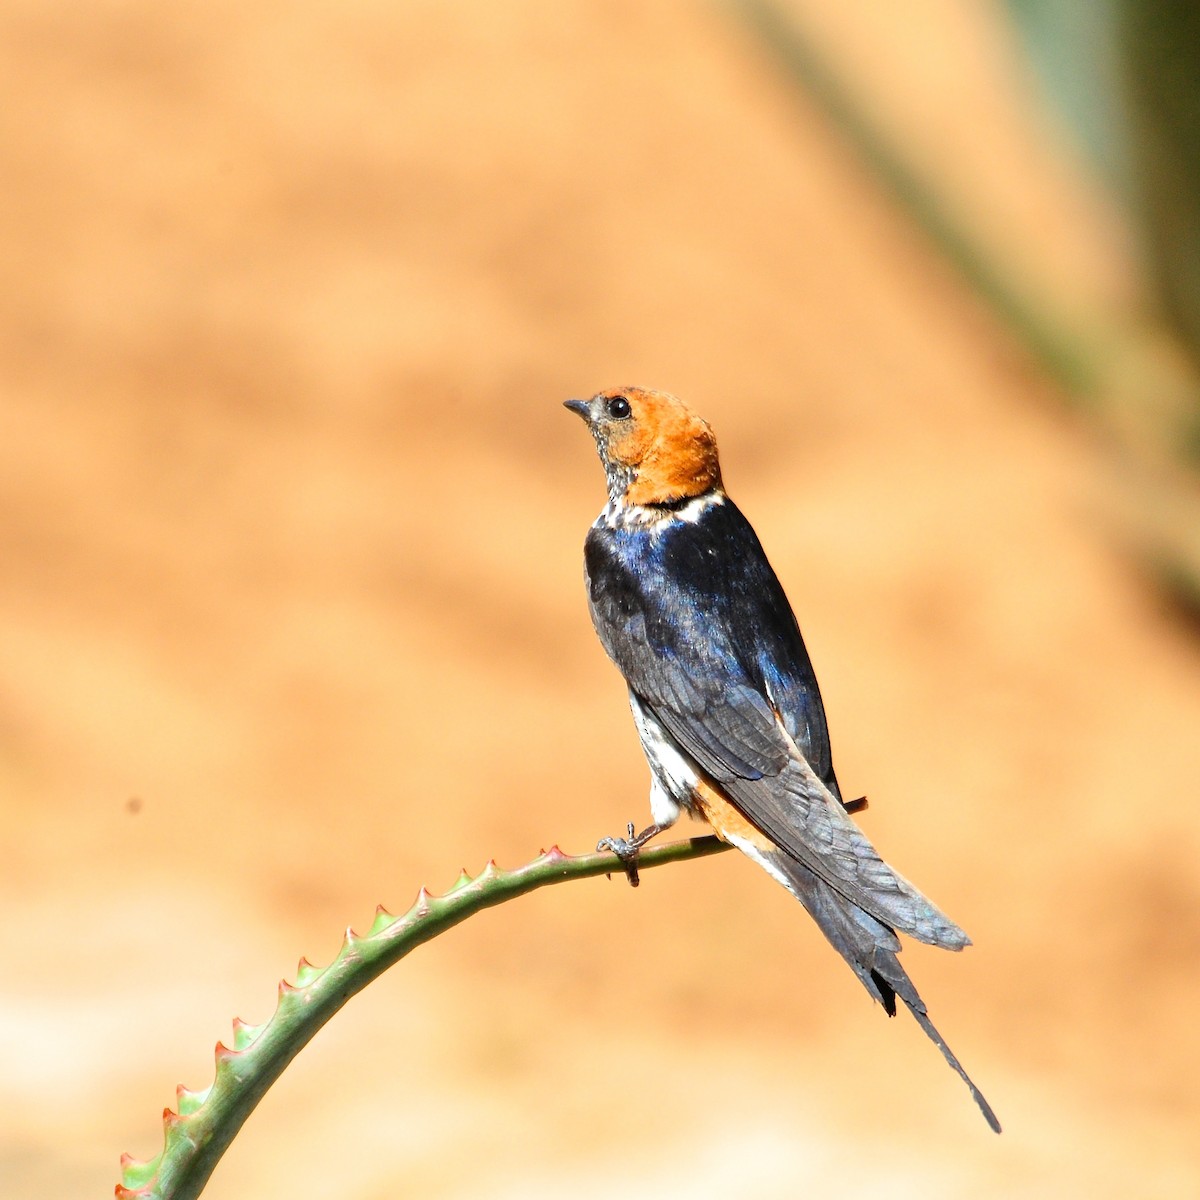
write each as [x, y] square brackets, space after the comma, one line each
[655, 450]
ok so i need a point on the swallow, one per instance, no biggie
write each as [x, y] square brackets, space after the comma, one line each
[724, 696]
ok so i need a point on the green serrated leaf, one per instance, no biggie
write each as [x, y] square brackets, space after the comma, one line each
[196, 1137]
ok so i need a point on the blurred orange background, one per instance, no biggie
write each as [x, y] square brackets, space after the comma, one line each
[292, 617]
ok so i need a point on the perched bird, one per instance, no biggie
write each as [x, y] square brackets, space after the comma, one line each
[724, 696]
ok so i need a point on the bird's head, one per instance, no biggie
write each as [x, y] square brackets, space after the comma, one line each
[655, 450]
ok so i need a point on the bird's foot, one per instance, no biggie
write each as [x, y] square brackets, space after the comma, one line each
[626, 849]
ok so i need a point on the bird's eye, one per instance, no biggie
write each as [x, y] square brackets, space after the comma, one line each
[618, 408]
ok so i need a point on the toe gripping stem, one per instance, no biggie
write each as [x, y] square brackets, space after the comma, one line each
[626, 848]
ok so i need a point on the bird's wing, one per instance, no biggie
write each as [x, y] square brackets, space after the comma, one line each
[694, 623]
[715, 713]
[798, 813]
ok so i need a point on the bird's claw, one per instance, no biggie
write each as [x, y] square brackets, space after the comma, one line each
[626, 849]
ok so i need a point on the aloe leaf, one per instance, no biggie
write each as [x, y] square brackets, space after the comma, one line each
[203, 1124]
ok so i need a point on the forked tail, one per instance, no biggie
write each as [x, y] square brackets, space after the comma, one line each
[870, 947]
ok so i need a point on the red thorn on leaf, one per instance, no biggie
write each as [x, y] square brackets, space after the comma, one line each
[170, 1118]
[127, 1160]
[223, 1053]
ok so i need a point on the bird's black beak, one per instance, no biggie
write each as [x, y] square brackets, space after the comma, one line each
[582, 407]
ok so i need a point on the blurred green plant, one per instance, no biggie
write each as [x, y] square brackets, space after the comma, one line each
[1126, 75]
[206, 1122]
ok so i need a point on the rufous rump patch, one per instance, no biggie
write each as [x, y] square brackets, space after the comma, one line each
[672, 451]
[727, 822]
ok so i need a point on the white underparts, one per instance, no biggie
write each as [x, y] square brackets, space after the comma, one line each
[673, 779]
[664, 812]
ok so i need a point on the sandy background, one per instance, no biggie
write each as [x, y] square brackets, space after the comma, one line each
[292, 622]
